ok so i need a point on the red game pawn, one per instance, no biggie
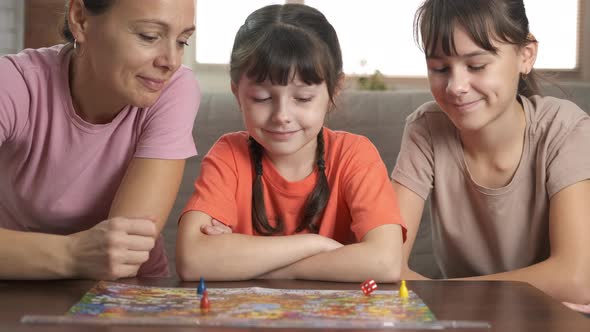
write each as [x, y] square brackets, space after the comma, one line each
[368, 286]
[205, 302]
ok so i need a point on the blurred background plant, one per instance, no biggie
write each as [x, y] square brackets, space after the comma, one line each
[373, 81]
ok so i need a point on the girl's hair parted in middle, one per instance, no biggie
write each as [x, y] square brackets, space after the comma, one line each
[276, 43]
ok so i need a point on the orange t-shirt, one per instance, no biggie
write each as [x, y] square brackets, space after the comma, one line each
[361, 194]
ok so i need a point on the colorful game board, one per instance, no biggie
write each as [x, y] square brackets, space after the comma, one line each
[116, 303]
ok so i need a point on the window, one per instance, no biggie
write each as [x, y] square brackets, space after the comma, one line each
[217, 26]
[556, 29]
[378, 35]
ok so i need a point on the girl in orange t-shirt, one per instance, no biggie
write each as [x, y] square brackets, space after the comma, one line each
[290, 198]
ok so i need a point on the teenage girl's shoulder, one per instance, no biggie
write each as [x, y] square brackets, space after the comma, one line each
[547, 112]
[429, 120]
[429, 109]
[428, 123]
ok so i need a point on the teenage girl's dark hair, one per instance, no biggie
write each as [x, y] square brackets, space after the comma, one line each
[94, 7]
[484, 21]
[276, 43]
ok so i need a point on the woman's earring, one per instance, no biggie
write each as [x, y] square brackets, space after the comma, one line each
[78, 50]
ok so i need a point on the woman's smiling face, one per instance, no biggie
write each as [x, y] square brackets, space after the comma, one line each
[135, 47]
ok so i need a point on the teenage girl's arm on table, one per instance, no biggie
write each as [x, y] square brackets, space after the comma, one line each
[565, 275]
[411, 208]
[112, 249]
[377, 256]
[232, 256]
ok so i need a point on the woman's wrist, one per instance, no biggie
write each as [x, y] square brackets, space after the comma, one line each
[66, 255]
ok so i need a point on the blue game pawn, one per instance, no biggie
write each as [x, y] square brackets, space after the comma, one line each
[201, 288]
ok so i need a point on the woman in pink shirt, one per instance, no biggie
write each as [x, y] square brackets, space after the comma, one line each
[93, 140]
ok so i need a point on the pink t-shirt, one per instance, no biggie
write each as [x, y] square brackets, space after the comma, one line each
[58, 173]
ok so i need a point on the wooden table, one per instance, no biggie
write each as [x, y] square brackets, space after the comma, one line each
[507, 306]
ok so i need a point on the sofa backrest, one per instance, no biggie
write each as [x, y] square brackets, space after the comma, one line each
[379, 115]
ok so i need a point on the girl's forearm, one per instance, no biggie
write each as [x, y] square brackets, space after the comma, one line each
[350, 263]
[243, 257]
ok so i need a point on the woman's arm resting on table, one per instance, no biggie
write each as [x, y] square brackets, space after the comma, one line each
[28, 255]
[112, 249]
[377, 256]
[148, 191]
[232, 256]
[138, 214]
[565, 275]
[411, 208]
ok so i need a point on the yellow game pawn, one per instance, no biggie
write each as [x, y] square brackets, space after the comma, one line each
[403, 290]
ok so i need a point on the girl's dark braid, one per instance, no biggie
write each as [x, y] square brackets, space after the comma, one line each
[317, 200]
[259, 218]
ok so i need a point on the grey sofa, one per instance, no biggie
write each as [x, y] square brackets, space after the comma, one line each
[378, 115]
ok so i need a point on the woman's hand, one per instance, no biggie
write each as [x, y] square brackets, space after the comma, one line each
[113, 249]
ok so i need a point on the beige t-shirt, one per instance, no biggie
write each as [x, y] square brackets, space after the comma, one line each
[478, 230]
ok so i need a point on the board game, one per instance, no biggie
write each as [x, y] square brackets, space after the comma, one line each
[117, 303]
